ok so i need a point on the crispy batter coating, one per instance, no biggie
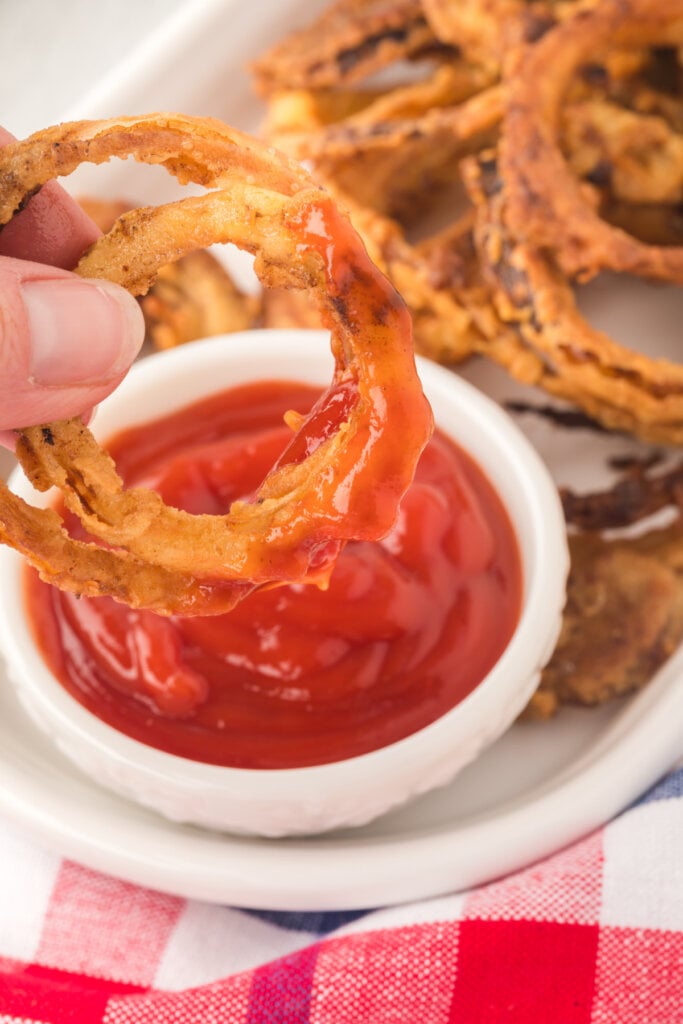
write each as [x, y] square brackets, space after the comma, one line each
[393, 150]
[565, 355]
[623, 619]
[397, 166]
[196, 298]
[623, 389]
[484, 29]
[624, 610]
[639, 155]
[351, 39]
[193, 298]
[294, 116]
[545, 204]
[157, 556]
[643, 489]
[399, 153]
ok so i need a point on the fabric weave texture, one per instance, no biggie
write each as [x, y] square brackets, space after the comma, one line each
[591, 935]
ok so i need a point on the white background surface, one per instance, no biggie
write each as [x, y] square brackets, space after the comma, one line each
[53, 51]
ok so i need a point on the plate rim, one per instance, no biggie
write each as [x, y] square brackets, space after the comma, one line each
[354, 871]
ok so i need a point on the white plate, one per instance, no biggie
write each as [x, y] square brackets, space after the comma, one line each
[541, 786]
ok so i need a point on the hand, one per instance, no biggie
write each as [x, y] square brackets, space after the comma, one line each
[65, 341]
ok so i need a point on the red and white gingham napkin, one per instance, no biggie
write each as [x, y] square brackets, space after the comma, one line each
[592, 934]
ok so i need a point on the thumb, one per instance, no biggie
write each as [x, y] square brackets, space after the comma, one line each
[65, 342]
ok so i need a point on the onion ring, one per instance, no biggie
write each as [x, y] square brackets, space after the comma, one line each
[482, 29]
[391, 151]
[349, 40]
[195, 297]
[639, 157]
[310, 504]
[552, 344]
[545, 203]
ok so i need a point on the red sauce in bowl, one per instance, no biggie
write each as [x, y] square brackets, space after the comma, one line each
[294, 676]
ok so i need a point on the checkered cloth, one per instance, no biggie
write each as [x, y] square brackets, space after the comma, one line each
[594, 933]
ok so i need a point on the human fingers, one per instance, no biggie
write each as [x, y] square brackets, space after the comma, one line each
[65, 342]
[51, 229]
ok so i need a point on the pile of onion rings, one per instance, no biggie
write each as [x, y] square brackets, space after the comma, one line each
[545, 202]
[160, 558]
[195, 297]
[561, 121]
[350, 40]
[538, 228]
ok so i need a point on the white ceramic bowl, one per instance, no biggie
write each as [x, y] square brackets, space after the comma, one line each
[350, 792]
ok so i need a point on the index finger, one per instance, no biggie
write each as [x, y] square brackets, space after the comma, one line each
[51, 229]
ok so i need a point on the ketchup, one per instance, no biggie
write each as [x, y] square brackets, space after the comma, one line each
[293, 676]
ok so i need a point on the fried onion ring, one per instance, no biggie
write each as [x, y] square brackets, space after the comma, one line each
[638, 156]
[443, 329]
[552, 344]
[546, 204]
[397, 166]
[482, 29]
[195, 297]
[312, 501]
[348, 41]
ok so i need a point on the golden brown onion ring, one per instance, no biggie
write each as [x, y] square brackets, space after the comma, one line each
[390, 150]
[635, 157]
[546, 204]
[195, 297]
[483, 29]
[310, 504]
[547, 342]
[442, 327]
[349, 40]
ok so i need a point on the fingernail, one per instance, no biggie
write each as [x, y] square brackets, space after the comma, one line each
[82, 331]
